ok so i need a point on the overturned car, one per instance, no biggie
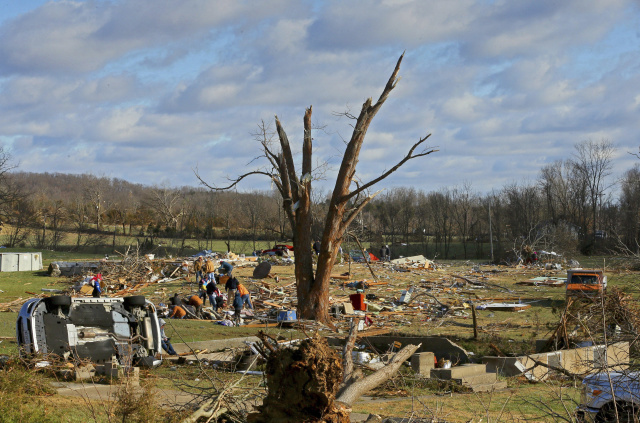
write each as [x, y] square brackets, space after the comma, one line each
[121, 330]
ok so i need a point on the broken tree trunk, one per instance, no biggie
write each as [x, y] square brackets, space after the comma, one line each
[355, 384]
[303, 382]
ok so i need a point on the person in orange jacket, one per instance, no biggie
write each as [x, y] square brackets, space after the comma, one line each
[245, 295]
[196, 302]
[177, 312]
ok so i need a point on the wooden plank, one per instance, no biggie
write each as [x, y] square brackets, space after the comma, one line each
[270, 304]
[340, 277]
[388, 313]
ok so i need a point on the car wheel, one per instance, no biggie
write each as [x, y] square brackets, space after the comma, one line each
[627, 413]
[134, 301]
[60, 300]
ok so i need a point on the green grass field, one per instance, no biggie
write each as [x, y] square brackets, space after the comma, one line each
[511, 332]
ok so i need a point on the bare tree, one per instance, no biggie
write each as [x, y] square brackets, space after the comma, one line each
[463, 201]
[168, 203]
[345, 203]
[440, 206]
[9, 191]
[630, 209]
[593, 162]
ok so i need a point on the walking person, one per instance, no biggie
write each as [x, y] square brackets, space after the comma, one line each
[237, 308]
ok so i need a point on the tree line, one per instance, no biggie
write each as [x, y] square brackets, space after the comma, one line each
[573, 206]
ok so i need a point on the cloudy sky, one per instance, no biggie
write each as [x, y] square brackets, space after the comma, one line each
[148, 90]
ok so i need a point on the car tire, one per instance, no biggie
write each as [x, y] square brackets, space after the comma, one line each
[134, 301]
[626, 413]
[59, 300]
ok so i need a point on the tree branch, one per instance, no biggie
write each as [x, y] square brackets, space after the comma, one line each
[235, 181]
[288, 160]
[357, 209]
[391, 84]
[405, 159]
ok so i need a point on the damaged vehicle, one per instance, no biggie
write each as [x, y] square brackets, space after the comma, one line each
[607, 394]
[104, 330]
[586, 283]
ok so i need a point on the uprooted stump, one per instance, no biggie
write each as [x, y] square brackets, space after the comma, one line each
[302, 385]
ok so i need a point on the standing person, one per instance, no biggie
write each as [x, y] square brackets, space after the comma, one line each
[95, 282]
[231, 286]
[209, 268]
[197, 267]
[202, 289]
[383, 252]
[245, 295]
[387, 253]
[237, 308]
[166, 342]
[316, 247]
[212, 293]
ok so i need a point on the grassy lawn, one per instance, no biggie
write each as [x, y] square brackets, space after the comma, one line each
[511, 332]
[524, 402]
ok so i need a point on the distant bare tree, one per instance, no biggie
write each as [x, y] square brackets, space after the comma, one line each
[79, 215]
[441, 209]
[9, 191]
[593, 162]
[167, 203]
[630, 210]
[463, 202]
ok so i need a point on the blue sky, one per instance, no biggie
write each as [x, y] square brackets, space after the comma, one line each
[148, 90]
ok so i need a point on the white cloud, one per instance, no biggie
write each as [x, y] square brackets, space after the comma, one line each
[145, 89]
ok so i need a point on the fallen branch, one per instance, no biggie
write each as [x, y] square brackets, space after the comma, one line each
[350, 394]
[347, 357]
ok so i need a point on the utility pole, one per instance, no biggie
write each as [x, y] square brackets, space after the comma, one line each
[490, 232]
